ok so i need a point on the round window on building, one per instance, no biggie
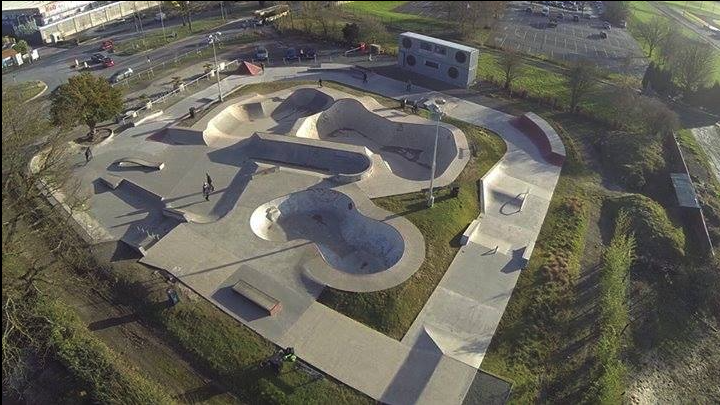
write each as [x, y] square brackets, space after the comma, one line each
[407, 43]
[453, 72]
[410, 60]
[460, 57]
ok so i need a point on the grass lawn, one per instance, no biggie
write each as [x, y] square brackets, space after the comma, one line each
[393, 311]
[710, 9]
[643, 11]
[384, 11]
[27, 89]
[154, 39]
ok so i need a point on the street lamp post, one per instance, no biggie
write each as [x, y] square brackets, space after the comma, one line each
[211, 39]
[162, 21]
[437, 111]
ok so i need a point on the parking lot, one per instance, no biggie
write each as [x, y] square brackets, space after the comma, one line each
[531, 33]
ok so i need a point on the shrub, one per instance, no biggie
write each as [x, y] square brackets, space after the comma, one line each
[634, 159]
[657, 238]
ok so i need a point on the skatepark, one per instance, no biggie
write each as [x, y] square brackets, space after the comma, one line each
[294, 173]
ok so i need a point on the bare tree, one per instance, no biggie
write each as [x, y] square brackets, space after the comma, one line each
[474, 15]
[693, 65]
[654, 32]
[581, 79]
[511, 64]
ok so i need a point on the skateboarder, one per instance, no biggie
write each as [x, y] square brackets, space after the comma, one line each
[88, 155]
[320, 82]
[262, 67]
[208, 180]
[206, 191]
[409, 85]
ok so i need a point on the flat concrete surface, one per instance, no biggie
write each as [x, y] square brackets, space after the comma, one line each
[437, 360]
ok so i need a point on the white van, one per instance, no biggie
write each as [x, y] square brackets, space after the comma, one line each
[160, 17]
[545, 11]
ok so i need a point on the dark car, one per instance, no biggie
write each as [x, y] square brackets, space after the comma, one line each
[308, 53]
[529, 10]
[552, 23]
[603, 34]
[291, 53]
[97, 58]
[576, 18]
[261, 53]
[108, 62]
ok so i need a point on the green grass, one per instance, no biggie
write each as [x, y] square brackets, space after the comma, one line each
[393, 311]
[707, 9]
[27, 90]
[643, 11]
[384, 10]
[154, 39]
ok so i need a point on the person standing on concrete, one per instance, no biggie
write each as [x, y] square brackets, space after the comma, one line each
[364, 77]
[208, 180]
[206, 191]
[320, 82]
[88, 155]
[409, 85]
[262, 67]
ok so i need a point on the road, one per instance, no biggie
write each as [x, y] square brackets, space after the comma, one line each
[55, 64]
[705, 34]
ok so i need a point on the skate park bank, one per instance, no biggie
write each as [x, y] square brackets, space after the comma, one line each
[257, 227]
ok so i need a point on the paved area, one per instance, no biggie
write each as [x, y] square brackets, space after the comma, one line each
[570, 40]
[437, 360]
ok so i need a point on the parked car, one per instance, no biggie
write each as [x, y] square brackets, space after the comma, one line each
[545, 11]
[603, 34]
[107, 45]
[606, 25]
[121, 75]
[261, 53]
[108, 62]
[552, 23]
[576, 18]
[160, 17]
[97, 58]
[529, 10]
[308, 53]
[560, 16]
[290, 53]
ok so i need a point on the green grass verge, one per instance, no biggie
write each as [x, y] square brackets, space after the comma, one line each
[707, 9]
[155, 39]
[610, 371]
[385, 11]
[107, 378]
[393, 311]
[26, 90]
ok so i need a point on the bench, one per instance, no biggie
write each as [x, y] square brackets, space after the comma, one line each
[543, 136]
[269, 304]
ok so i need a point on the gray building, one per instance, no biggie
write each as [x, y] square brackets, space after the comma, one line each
[438, 59]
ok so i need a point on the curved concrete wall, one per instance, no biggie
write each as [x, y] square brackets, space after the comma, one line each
[352, 114]
[347, 240]
[346, 165]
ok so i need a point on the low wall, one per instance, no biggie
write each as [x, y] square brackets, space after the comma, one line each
[543, 136]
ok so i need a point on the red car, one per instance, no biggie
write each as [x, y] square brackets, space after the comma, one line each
[108, 62]
[107, 45]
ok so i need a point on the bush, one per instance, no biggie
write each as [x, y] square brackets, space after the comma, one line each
[634, 159]
[657, 238]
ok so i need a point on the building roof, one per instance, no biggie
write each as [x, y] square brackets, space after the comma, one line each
[8, 53]
[684, 190]
[22, 5]
[439, 41]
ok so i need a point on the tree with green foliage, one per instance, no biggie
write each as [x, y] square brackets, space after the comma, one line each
[581, 79]
[351, 33]
[85, 99]
[22, 47]
[511, 63]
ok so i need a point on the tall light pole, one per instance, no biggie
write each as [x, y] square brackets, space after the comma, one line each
[211, 40]
[162, 21]
[437, 111]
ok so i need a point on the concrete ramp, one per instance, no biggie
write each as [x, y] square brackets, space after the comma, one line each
[130, 162]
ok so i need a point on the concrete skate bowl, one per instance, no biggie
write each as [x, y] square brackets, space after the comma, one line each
[406, 147]
[276, 115]
[356, 249]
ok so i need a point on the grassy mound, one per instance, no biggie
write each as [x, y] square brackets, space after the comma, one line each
[657, 237]
[634, 159]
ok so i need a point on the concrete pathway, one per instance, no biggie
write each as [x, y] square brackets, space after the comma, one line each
[438, 358]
